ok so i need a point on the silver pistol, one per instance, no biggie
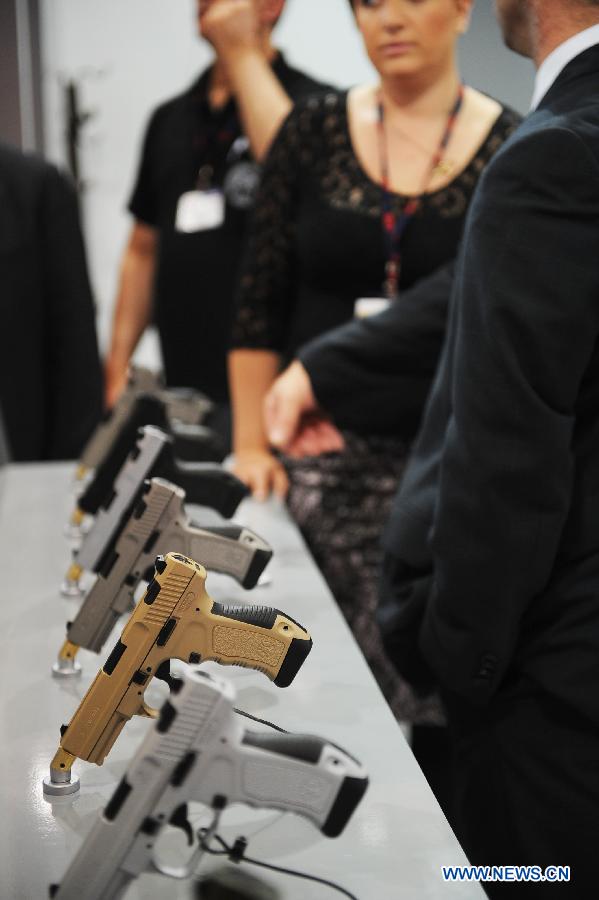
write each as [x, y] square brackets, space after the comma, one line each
[183, 405]
[199, 751]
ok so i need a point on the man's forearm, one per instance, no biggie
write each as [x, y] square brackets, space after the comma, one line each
[133, 310]
[262, 101]
[240, 33]
[133, 307]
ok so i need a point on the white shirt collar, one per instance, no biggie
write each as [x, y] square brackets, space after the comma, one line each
[558, 59]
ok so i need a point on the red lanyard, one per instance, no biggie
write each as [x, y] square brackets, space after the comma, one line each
[394, 225]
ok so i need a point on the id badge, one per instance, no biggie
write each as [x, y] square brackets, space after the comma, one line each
[200, 211]
[365, 307]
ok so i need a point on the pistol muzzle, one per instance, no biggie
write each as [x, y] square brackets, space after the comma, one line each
[60, 781]
[68, 650]
[74, 573]
[66, 665]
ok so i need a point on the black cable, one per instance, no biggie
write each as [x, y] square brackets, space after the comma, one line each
[247, 715]
[236, 853]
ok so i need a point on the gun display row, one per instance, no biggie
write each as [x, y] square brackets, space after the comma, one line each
[199, 751]
[190, 443]
[157, 525]
[175, 619]
[204, 484]
[182, 405]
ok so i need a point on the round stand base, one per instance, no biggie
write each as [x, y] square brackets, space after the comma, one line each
[56, 789]
[66, 670]
[71, 589]
[73, 532]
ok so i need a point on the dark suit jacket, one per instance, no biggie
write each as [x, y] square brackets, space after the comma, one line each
[50, 377]
[505, 475]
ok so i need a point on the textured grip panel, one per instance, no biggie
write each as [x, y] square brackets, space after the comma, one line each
[262, 616]
[246, 647]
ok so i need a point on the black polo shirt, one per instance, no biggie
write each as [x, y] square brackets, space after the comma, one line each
[196, 272]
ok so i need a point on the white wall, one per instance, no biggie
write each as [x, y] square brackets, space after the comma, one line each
[128, 55]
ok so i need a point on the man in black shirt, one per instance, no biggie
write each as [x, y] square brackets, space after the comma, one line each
[195, 186]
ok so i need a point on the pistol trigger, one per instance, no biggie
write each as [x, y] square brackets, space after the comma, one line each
[163, 672]
[179, 819]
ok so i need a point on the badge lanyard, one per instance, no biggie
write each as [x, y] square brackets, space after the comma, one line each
[213, 141]
[394, 225]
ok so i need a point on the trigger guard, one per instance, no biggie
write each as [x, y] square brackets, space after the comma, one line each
[180, 819]
[148, 712]
[163, 673]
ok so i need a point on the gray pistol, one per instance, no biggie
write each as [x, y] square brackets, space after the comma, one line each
[183, 405]
[206, 484]
[157, 525]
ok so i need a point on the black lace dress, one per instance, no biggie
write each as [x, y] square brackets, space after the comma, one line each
[316, 246]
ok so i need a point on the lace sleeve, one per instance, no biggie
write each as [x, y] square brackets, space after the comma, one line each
[266, 294]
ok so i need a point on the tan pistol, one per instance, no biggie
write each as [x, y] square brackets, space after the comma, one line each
[175, 619]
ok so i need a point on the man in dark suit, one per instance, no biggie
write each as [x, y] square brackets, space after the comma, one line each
[50, 376]
[491, 587]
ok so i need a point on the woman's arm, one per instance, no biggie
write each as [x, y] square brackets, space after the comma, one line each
[251, 373]
[265, 303]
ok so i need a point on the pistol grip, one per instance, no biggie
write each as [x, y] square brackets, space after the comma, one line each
[260, 637]
[217, 488]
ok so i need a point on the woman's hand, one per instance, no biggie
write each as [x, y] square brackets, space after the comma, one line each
[262, 472]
